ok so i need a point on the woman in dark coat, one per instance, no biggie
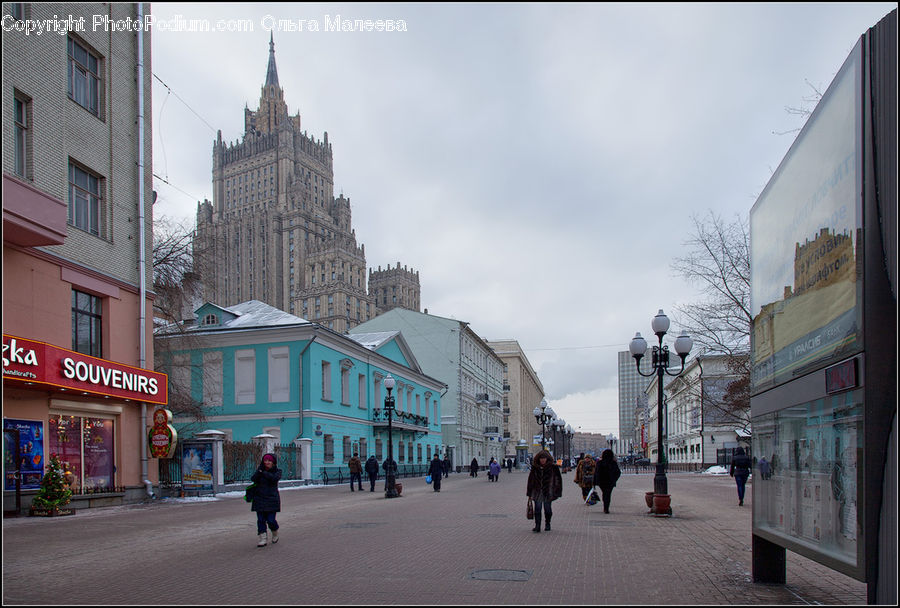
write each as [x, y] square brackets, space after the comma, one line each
[372, 471]
[266, 500]
[606, 475]
[544, 486]
[437, 472]
[740, 470]
[473, 468]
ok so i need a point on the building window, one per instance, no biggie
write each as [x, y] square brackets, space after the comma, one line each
[326, 380]
[347, 448]
[210, 320]
[84, 200]
[328, 448]
[86, 450]
[87, 321]
[22, 135]
[363, 448]
[84, 77]
[378, 450]
[245, 376]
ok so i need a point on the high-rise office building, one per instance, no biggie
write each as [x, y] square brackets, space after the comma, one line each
[631, 394]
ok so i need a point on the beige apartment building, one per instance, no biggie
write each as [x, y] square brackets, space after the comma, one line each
[523, 392]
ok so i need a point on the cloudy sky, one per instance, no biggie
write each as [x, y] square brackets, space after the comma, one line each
[537, 164]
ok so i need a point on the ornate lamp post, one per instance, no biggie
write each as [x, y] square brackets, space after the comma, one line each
[542, 415]
[557, 425]
[660, 367]
[390, 472]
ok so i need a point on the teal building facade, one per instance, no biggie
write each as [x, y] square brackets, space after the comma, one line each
[252, 370]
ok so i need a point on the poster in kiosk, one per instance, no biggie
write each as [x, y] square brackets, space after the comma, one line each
[823, 339]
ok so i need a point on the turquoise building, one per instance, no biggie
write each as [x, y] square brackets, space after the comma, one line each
[252, 369]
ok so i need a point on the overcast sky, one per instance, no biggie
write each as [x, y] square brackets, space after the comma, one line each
[537, 164]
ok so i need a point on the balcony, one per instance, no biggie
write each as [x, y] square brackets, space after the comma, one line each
[494, 405]
[32, 217]
[492, 431]
[481, 398]
[400, 420]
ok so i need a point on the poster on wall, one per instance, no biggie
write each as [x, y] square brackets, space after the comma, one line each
[31, 454]
[197, 465]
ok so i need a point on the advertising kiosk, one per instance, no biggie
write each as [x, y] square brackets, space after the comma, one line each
[824, 338]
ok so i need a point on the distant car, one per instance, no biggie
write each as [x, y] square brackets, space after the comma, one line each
[717, 470]
[642, 462]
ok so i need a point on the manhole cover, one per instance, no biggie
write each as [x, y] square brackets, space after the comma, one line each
[501, 575]
[356, 524]
[612, 523]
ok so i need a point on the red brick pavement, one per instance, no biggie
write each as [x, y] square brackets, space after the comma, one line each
[339, 547]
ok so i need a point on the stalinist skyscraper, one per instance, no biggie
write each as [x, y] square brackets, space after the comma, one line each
[274, 230]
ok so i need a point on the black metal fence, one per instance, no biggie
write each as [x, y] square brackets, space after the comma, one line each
[240, 461]
[340, 474]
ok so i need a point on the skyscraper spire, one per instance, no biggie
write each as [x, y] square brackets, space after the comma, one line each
[271, 71]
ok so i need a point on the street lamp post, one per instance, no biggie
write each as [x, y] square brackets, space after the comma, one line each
[542, 415]
[660, 367]
[558, 425]
[390, 472]
[569, 434]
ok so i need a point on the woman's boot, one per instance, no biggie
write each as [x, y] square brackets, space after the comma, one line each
[262, 540]
[537, 523]
[547, 522]
[274, 536]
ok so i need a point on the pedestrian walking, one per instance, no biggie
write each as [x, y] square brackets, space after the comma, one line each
[765, 471]
[509, 465]
[473, 468]
[436, 470]
[606, 475]
[447, 465]
[372, 472]
[544, 486]
[495, 470]
[584, 474]
[356, 470]
[266, 501]
[740, 470]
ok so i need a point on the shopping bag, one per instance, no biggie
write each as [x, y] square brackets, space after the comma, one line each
[250, 492]
[529, 509]
[592, 497]
[428, 479]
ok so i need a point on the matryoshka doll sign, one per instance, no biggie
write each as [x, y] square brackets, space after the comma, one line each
[162, 436]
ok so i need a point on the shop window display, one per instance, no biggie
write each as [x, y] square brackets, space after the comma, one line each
[86, 451]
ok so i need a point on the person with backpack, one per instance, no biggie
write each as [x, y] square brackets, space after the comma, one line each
[372, 471]
[584, 475]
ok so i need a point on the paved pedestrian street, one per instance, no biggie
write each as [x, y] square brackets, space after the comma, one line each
[469, 544]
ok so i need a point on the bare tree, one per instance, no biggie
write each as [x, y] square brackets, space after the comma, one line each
[174, 282]
[804, 110]
[718, 261]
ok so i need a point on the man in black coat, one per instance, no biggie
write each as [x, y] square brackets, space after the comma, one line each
[372, 472]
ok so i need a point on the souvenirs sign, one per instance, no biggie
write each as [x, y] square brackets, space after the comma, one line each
[34, 362]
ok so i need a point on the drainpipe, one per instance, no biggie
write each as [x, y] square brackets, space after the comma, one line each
[302, 352]
[142, 260]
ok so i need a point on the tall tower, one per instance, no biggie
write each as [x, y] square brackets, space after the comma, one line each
[274, 231]
[395, 288]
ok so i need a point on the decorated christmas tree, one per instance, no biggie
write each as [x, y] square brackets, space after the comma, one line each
[54, 492]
